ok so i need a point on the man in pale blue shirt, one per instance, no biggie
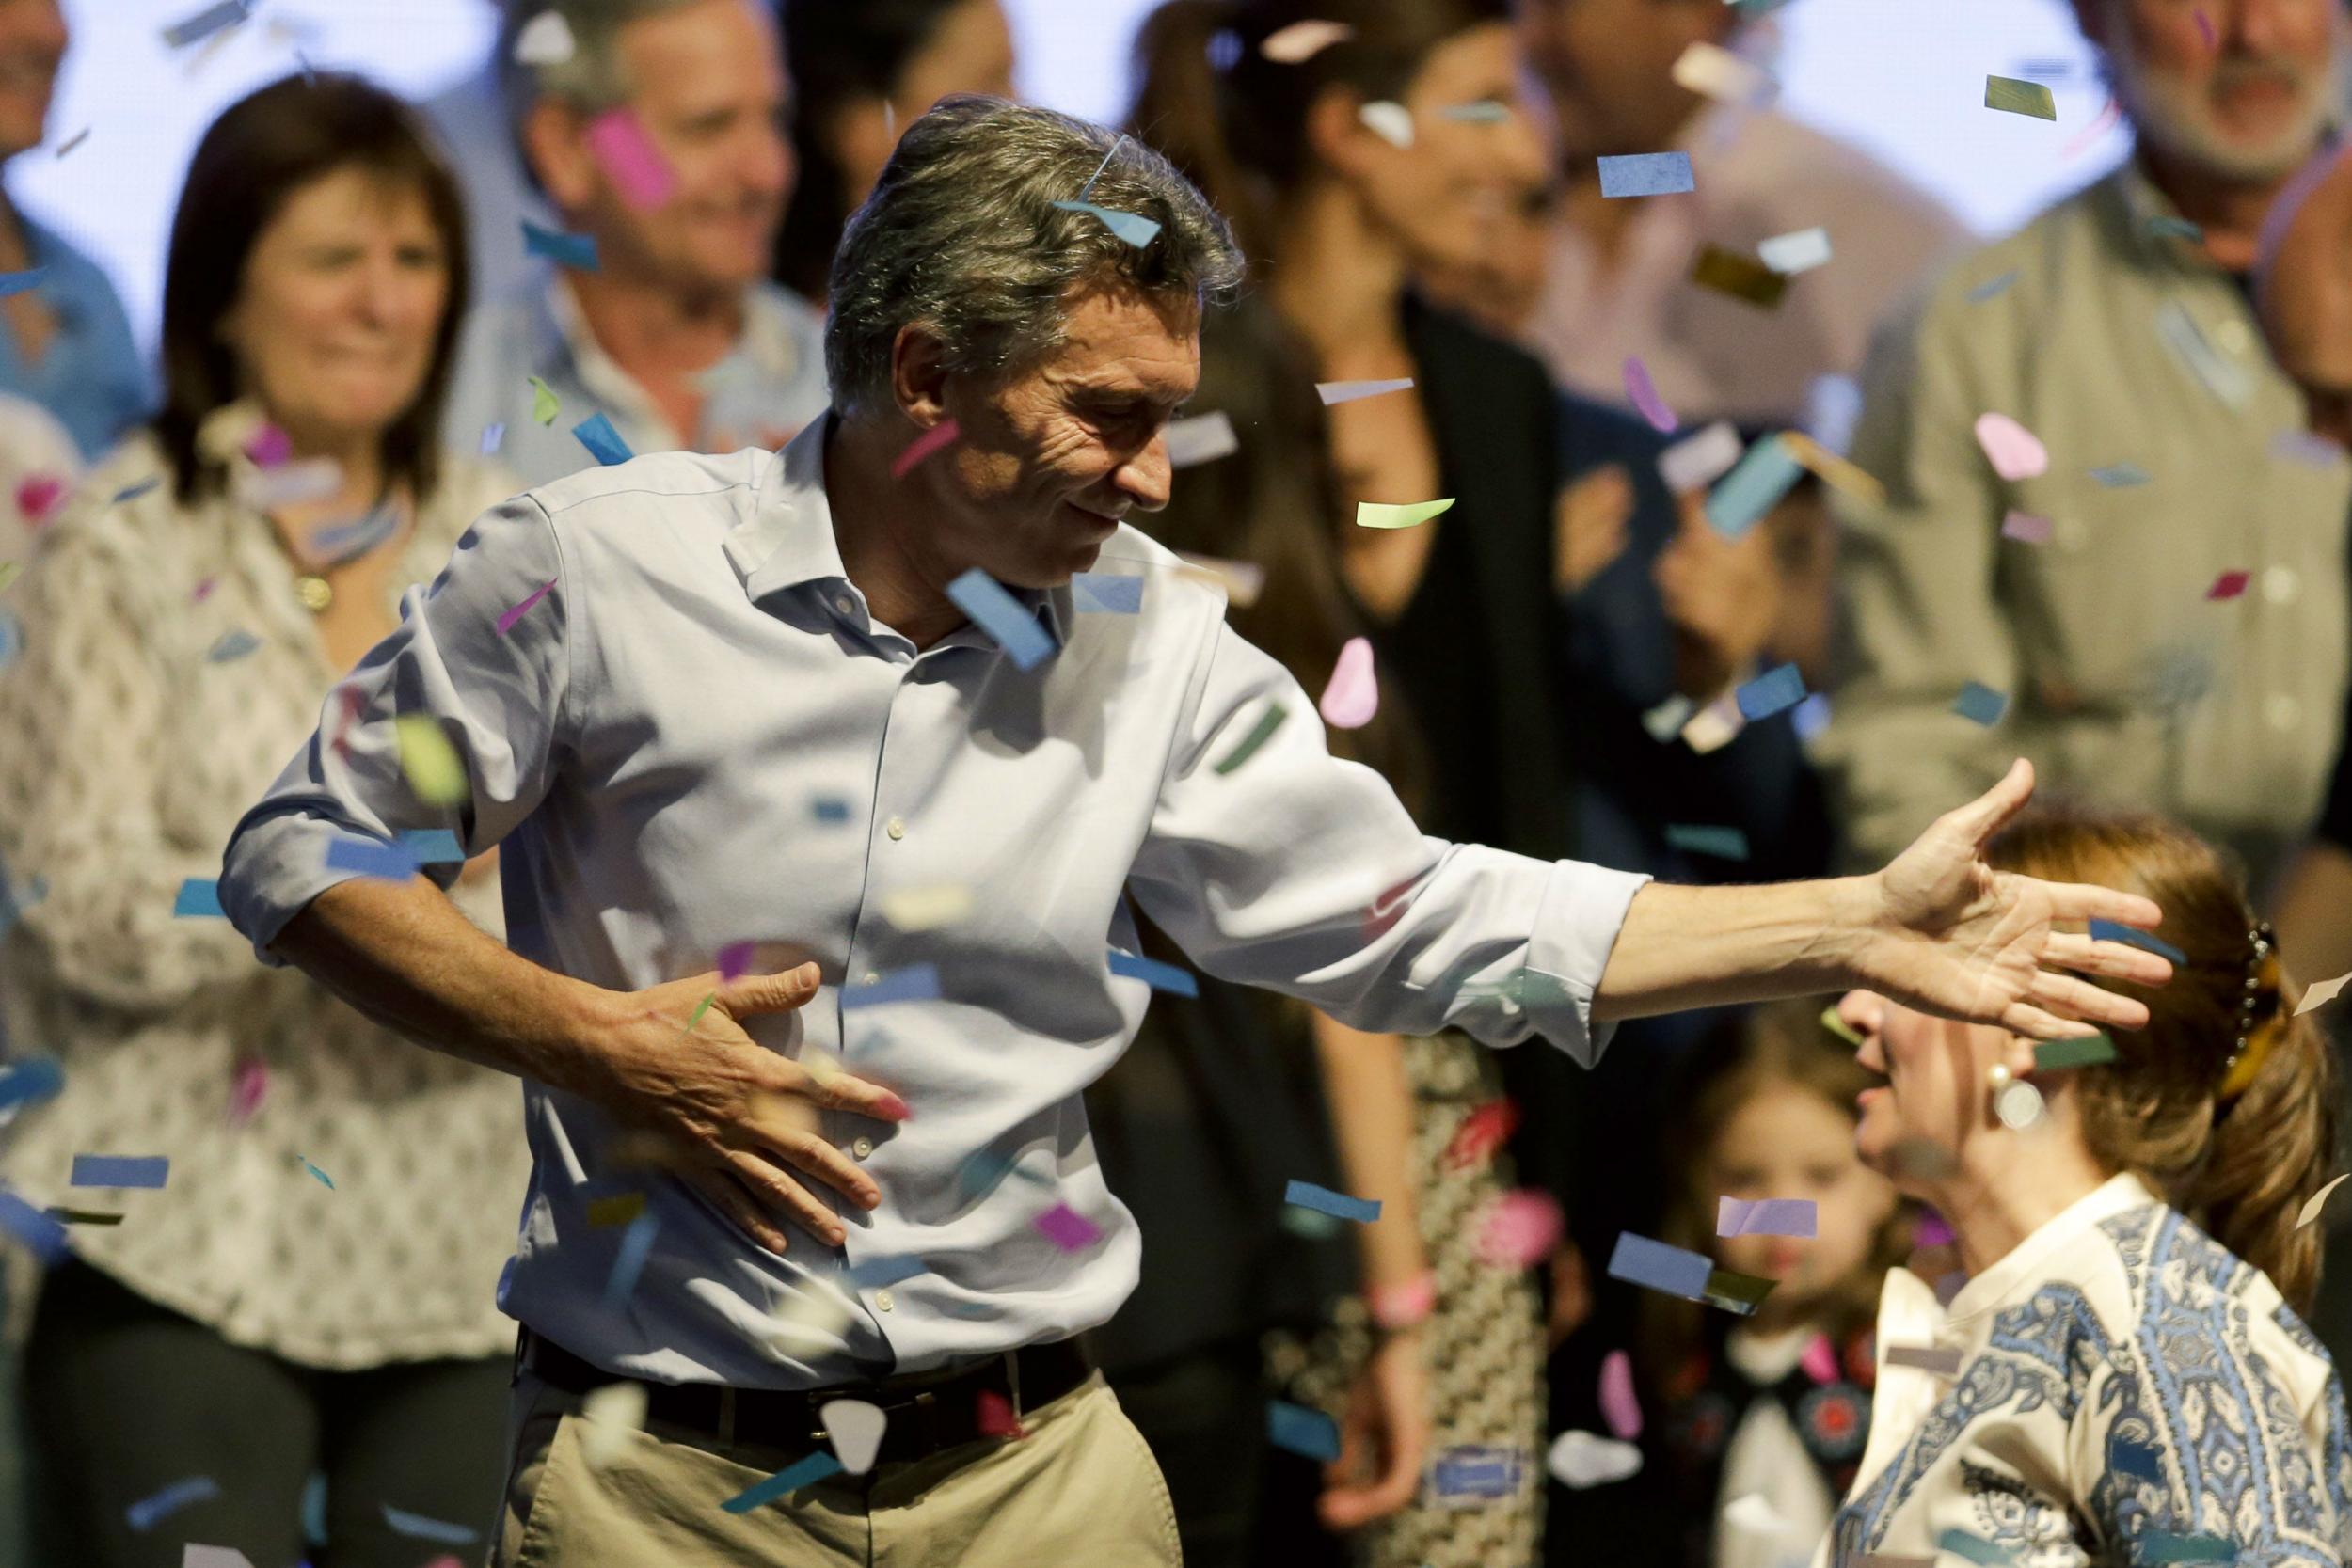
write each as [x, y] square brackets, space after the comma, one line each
[821, 781]
[660, 142]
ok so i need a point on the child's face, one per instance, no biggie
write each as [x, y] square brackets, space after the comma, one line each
[1789, 1142]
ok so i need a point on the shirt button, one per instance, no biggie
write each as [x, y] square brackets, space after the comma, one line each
[883, 1300]
[2282, 711]
[2281, 585]
[845, 604]
[870, 977]
[861, 1147]
[897, 828]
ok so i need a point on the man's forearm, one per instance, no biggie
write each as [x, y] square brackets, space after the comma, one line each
[1684, 948]
[403, 954]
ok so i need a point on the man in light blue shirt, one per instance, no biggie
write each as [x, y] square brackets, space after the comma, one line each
[822, 780]
[660, 141]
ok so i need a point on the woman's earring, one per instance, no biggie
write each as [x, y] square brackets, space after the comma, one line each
[2017, 1103]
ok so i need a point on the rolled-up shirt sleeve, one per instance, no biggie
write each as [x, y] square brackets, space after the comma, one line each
[497, 696]
[1302, 873]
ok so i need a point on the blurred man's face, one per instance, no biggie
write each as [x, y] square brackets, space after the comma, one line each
[2240, 88]
[32, 43]
[1609, 68]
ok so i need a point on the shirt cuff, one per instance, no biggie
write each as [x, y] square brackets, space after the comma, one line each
[1576, 928]
[273, 868]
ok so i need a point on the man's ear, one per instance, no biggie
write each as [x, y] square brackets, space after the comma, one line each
[919, 376]
[551, 139]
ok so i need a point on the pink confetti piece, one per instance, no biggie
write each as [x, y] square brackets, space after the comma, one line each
[1353, 695]
[2014, 452]
[269, 447]
[1819, 1359]
[2025, 527]
[1520, 1229]
[245, 1097]
[39, 496]
[506, 621]
[1483, 1131]
[996, 1418]
[1067, 1228]
[1302, 41]
[636, 168]
[1931, 1230]
[2107, 119]
[2204, 29]
[1617, 1403]
[941, 434]
[1644, 393]
[204, 589]
[735, 960]
[2228, 585]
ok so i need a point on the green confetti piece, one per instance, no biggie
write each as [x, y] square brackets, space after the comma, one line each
[2158, 1546]
[1839, 1026]
[325, 1181]
[1271, 722]
[430, 762]
[2050, 1055]
[699, 1011]
[1381, 515]
[2012, 96]
[545, 404]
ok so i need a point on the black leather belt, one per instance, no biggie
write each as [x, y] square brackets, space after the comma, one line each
[927, 1411]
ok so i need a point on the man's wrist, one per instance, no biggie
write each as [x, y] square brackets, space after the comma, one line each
[1853, 925]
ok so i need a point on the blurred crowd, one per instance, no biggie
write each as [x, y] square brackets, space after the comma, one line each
[618, 236]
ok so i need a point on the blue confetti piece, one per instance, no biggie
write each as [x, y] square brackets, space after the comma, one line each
[147, 1512]
[432, 846]
[1006, 619]
[1474, 1472]
[1646, 174]
[1486, 111]
[31, 1080]
[17, 282]
[1765, 474]
[1723, 843]
[132, 492]
[1961, 1543]
[603, 442]
[1979, 703]
[914, 983]
[421, 1528]
[12, 638]
[874, 1272]
[1773, 692]
[830, 808]
[2164, 225]
[1136, 231]
[2147, 941]
[1992, 286]
[233, 646]
[1105, 593]
[314, 1510]
[1306, 1195]
[2121, 476]
[150, 1171]
[1301, 1430]
[41, 1235]
[2158, 1546]
[630, 1261]
[493, 436]
[198, 898]
[323, 1180]
[1639, 1261]
[564, 250]
[204, 23]
[391, 862]
[1151, 971]
[2137, 1459]
[351, 540]
[815, 1467]
[1766, 1216]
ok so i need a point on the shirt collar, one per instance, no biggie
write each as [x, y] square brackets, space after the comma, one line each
[2146, 211]
[2030, 1258]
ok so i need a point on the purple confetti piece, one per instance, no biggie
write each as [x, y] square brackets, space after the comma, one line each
[1644, 393]
[506, 621]
[2025, 528]
[942, 435]
[1765, 1216]
[1067, 1228]
[735, 960]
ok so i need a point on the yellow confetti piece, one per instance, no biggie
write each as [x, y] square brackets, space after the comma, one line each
[1839, 1026]
[1834, 471]
[1727, 272]
[10, 571]
[927, 908]
[430, 762]
[618, 1210]
[545, 404]
[1379, 515]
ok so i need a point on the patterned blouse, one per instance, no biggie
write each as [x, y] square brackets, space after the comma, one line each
[167, 671]
[2123, 1378]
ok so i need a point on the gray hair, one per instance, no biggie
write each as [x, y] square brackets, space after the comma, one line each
[961, 237]
[593, 78]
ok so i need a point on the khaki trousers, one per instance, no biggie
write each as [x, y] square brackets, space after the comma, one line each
[1079, 1487]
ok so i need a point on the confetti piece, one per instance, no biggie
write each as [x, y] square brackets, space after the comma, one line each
[1765, 1216]
[17, 282]
[1640, 1260]
[1392, 123]
[317, 1175]
[2320, 993]
[628, 1260]
[1302, 41]
[1618, 1405]
[874, 1272]
[1770, 692]
[2158, 1545]
[815, 1467]
[233, 646]
[1646, 174]
[1007, 621]
[345, 542]
[1352, 697]
[1942, 1363]
[1839, 1026]
[2204, 29]
[39, 496]
[1715, 727]
[544, 40]
[2318, 1200]
[435, 774]
[735, 961]
[611, 1413]
[39, 1233]
[204, 23]
[1203, 438]
[1642, 392]
[389, 863]
[1726, 843]
[1750, 1511]
[199, 897]
[1819, 1359]
[1961, 1543]
[1486, 1129]
[620, 1209]
[2013, 97]
[1132, 228]
[855, 1429]
[1300, 1430]
[1382, 515]
[1105, 593]
[1151, 971]
[914, 983]
[2013, 451]
[1067, 1228]
[2307, 448]
[291, 484]
[421, 1528]
[1889, 1559]
[1306, 1195]
[149, 1171]
[493, 436]
[829, 808]
[1727, 272]
[1334, 392]
[1486, 111]
[506, 621]
[617, 140]
[1833, 470]
[1991, 287]
[1753, 488]
[942, 435]
[1713, 71]
[1264, 731]
[31, 1080]
[1579, 1459]
[1699, 460]
[149, 1512]
[563, 249]
[132, 492]
[2228, 585]
[2147, 941]
[1736, 1292]
[994, 1416]
[545, 404]
[1790, 254]
[269, 445]
[1468, 1473]
[927, 907]
[2121, 476]
[2025, 528]
[11, 570]
[247, 1093]
[73, 141]
[2164, 226]
[603, 442]
[2052, 1056]
[1979, 703]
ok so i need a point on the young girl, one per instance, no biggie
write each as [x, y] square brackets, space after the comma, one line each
[2124, 1366]
[1774, 1405]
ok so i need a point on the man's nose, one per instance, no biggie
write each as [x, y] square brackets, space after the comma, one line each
[1147, 478]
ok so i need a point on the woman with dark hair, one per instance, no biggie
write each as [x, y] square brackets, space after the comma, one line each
[860, 68]
[2122, 1357]
[310, 1288]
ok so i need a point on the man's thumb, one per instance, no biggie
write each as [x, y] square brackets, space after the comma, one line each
[780, 993]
